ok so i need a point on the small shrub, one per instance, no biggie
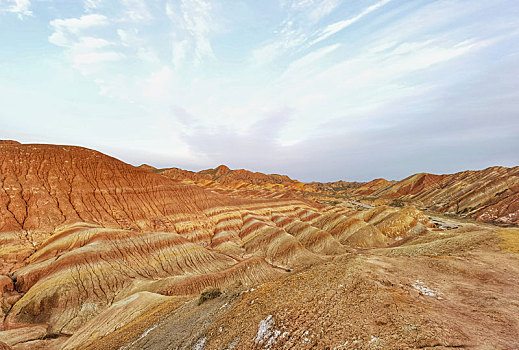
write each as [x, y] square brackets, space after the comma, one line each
[398, 203]
[208, 294]
[50, 336]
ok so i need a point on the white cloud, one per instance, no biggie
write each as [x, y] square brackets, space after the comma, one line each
[20, 7]
[84, 52]
[338, 26]
[136, 11]
[179, 53]
[66, 30]
[90, 43]
[123, 35]
[59, 38]
[198, 23]
[89, 50]
[96, 57]
[193, 23]
[129, 37]
[322, 9]
[169, 10]
[293, 31]
[75, 25]
[92, 4]
[313, 10]
[287, 38]
[302, 66]
[147, 55]
[365, 83]
[158, 85]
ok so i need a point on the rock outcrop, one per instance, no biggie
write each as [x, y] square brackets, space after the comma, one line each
[489, 195]
[92, 246]
[45, 186]
[82, 231]
[240, 183]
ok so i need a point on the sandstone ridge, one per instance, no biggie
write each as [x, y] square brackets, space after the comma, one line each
[99, 254]
[82, 231]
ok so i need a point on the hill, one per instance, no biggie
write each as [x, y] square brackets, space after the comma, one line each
[489, 195]
[99, 254]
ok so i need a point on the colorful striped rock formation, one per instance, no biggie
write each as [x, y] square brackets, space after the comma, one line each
[489, 195]
[95, 252]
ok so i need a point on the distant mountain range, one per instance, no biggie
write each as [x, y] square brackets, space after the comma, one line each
[489, 195]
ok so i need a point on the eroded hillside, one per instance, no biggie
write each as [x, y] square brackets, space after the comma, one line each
[489, 195]
[98, 254]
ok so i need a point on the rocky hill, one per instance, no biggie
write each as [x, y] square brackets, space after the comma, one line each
[238, 179]
[489, 195]
[81, 228]
[98, 254]
[239, 183]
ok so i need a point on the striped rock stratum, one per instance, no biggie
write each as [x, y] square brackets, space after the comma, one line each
[99, 254]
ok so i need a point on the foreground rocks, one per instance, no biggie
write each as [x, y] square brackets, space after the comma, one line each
[435, 291]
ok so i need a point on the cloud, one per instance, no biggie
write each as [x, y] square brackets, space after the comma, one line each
[193, 24]
[288, 37]
[19, 7]
[293, 31]
[84, 52]
[406, 145]
[303, 66]
[338, 26]
[90, 43]
[136, 11]
[197, 21]
[67, 30]
[321, 9]
[223, 144]
[91, 5]
[159, 84]
[147, 55]
[179, 53]
[96, 57]
[128, 37]
[379, 94]
[183, 116]
[313, 10]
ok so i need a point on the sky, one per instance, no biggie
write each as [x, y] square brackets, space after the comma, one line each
[320, 90]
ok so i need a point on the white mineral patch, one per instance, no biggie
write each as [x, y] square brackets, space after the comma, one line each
[267, 335]
[200, 344]
[424, 290]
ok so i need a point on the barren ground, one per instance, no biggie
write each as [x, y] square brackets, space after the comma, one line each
[456, 288]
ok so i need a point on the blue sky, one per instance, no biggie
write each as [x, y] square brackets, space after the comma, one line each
[316, 89]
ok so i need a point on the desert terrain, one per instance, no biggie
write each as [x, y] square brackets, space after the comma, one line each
[98, 254]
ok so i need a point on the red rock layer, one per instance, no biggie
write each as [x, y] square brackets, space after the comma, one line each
[81, 231]
[44, 186]
[490, 195]
[82, 268]
[240, 183]
[487, 195]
